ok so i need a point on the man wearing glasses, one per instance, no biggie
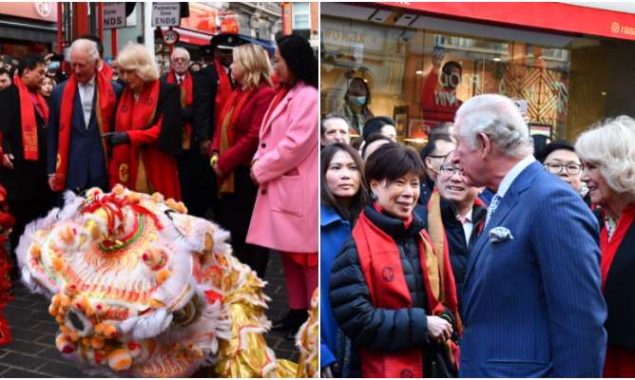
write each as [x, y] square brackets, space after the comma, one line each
[463, 215]
[439, 146]
[560, 158]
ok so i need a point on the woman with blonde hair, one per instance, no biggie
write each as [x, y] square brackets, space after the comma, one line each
[147, 127]
[608, 155]
[234, 145]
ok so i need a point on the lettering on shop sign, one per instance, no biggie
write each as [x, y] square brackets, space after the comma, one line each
[166, 14]
[114, 15]
[444, 98]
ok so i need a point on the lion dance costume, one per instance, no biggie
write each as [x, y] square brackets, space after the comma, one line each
[6, 223]
[140, 288]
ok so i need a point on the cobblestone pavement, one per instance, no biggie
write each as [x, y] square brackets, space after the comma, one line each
[33, 354]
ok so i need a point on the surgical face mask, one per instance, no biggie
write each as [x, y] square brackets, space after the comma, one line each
[357, 100]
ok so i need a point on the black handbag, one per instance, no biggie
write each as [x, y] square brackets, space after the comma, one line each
[439, 363]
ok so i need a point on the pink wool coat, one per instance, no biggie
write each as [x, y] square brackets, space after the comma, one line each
[285, 216]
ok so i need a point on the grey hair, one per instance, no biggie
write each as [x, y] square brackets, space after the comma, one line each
[610, 144]
[499, 118]
[329, 117]
[181, 50]
[87, 46]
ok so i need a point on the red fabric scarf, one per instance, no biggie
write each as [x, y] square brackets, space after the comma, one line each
[223, 90]
[383, 272]
[609, 247]
[27, 117]
[187, 98]
[106, 71]
[106, 106]
[132, 115]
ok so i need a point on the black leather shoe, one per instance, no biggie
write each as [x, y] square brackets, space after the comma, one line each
[291, 321]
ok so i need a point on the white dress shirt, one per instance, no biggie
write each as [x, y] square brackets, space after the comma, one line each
[468, 225]
[86, 95]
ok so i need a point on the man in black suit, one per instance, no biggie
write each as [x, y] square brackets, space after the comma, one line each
[22, 125]
[198, 185]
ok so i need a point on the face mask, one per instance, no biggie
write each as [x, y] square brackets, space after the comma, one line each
[357, 100]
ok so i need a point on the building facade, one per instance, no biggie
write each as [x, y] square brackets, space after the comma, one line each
[566, 65]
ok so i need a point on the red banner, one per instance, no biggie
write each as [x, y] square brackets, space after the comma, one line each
[552, 16]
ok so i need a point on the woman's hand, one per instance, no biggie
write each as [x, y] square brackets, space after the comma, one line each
[251, 172]
[439, 329]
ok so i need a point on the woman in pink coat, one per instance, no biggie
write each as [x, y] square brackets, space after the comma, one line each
[285, 167]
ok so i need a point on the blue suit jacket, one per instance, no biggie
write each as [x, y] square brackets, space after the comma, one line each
[87, 165]
[532, 304]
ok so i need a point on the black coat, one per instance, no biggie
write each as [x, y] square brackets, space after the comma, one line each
[357, 317]
[619, 294]
[169, 108]
[201, 113]
[460, 248]
[28, 179]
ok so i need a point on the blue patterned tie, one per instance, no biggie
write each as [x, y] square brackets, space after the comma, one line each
[492, 208]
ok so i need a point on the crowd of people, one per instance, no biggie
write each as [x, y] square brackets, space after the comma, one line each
[478, 256]
[233, 141]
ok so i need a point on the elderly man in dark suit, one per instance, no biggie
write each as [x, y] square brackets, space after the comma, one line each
[195, 174]
[82, 109]
[532, 301]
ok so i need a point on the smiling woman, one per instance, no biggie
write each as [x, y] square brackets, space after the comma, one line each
[608, 154]
[396, 315]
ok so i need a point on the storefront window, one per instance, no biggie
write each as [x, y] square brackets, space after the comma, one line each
[419, 76]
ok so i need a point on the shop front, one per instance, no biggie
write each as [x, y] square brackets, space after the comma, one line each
[566, 66]
[27, 28]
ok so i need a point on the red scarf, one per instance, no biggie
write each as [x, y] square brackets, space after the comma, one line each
[106, 71]
[187, 98]
[106, 105]
[383, 272]
[609, 247]
[231, 112]
[132, 115]
[27, 117]
[224, 89]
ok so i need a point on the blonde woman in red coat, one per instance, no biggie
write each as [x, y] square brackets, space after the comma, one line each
[234, 145]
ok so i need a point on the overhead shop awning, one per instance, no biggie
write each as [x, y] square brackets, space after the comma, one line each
[576, 19]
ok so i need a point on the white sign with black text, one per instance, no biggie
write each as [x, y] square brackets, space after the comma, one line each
[114, 15]
[166, 14]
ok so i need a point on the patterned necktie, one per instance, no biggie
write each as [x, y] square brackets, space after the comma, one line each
[492, 208]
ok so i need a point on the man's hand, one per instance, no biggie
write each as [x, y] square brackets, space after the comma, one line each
[204, 147]
[439, 329]
[7, 160]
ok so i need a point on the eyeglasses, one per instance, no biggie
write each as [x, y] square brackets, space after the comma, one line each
[444, 156]
[569, 168]
[450, 170]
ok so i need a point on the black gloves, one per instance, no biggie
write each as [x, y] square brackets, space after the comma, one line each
[117, 138]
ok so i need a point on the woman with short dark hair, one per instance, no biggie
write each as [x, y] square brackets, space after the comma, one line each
[392, 294]
[343, 195]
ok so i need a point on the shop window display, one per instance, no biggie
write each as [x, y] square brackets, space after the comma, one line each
[420, 77]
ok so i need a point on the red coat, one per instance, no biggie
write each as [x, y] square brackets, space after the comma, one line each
[246, 131]
[153, 145]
